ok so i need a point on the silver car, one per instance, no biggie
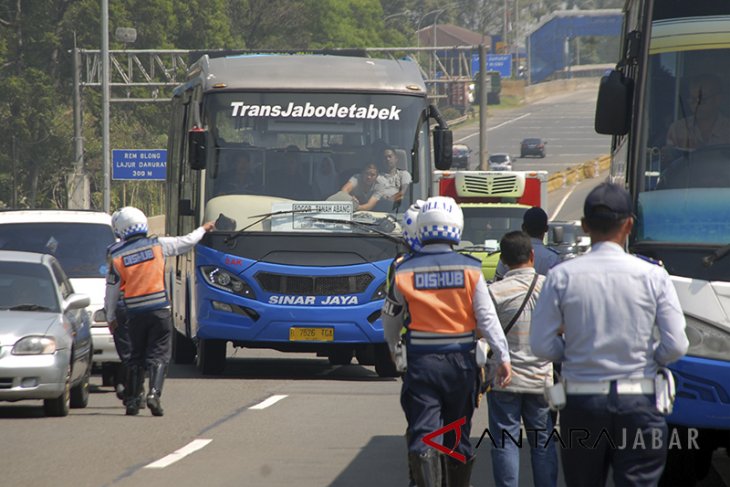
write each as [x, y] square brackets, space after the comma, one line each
[45, 334]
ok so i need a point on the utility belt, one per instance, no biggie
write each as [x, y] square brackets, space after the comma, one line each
[419, 342]
[662, 386]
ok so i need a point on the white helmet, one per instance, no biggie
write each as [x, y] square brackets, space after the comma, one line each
[440, 220]
[410, 225]
[129, 221]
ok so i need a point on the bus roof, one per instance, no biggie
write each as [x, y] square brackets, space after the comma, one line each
[277, 72]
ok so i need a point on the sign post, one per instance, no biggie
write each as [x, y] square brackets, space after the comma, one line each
[139, 164]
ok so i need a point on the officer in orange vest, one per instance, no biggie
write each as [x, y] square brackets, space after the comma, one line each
[441, 297]
[138, 266]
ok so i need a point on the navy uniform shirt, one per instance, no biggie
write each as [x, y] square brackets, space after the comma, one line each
[620, 315]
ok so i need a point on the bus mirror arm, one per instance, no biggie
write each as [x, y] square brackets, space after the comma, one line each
[443, 140]
[719, 254]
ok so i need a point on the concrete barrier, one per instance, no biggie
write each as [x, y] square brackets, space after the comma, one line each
[575, 174]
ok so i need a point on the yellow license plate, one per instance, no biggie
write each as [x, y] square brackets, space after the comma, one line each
[312, 334]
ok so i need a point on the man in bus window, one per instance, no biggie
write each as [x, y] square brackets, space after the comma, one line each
[395, 181]
[365, 188]
[706, 125]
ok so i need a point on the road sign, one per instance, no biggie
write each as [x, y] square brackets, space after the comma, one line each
[136, 164]
[502, 63]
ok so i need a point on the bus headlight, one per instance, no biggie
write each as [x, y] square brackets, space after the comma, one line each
[226, 281]
[380, 292]
[706, 340]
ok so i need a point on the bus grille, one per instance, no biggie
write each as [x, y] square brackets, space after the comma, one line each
[313, 286]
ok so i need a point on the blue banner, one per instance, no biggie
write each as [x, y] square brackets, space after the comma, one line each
[136, 164]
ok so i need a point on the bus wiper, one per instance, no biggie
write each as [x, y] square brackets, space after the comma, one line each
[263, 217]
[371, 227]
[719, 254]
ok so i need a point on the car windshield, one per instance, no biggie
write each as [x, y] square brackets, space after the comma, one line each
[498, 158]
[25, 286]
[79, 247]
[532, 141]
[490, 223]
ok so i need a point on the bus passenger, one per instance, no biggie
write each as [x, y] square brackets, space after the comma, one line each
[365, 189]
[395, 181]
[236, 177]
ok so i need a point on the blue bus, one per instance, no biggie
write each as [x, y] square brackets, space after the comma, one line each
[280, 150]
[667, 107]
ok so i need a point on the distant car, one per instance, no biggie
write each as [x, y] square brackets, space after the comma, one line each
[78, 239]
[460, 157]
[46, 334]
[500, 162]
[532, 147]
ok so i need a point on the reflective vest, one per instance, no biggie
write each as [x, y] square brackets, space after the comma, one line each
[439, 289]
[140, 265]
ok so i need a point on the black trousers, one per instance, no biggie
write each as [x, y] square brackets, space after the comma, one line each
[122, 340]
[150, 335]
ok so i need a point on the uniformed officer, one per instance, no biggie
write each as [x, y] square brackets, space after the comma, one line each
[442, 299]
[137, 266]
[535, 224]
[612, 319]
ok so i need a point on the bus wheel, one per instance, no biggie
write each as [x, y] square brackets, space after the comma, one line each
[340, 356]
[183, 348]
[211, 356]
[365, 355]
[384, 365]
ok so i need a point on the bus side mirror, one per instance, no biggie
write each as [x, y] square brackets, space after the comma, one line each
[196, 148]
[613, 107]
[443, 140]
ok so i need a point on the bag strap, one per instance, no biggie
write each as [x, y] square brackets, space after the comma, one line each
[522, 306]
[519, 311]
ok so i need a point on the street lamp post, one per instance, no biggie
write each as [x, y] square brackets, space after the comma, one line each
[105, 95]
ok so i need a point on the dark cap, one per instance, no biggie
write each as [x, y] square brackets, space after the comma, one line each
[535, 220]
[608, 201]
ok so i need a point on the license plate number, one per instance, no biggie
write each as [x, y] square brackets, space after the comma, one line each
[311, 334]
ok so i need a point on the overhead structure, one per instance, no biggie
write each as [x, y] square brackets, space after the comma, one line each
[548, 44]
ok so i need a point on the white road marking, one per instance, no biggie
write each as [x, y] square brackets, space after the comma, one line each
[562, 202]
[495, 127]
[191, 447]
[269, 402]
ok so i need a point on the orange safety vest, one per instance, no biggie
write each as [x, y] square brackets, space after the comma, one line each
[140, 265]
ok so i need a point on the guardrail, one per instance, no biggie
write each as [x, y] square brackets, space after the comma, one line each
[572, 175]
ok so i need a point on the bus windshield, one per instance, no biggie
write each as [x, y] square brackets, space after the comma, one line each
[684, 167]
[274, 149]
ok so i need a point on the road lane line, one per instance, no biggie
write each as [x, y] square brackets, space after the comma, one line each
[562, 202]
[495, 127]
[269, 402]
[173, 457]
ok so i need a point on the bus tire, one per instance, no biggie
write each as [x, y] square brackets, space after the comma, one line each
[384, 365]
[183, 348]
[211, 356]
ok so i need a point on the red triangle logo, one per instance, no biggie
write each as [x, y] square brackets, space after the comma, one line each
[456, 426]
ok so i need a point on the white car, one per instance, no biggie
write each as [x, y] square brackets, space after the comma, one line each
[500, 162]
[79, 240]
[45, 338]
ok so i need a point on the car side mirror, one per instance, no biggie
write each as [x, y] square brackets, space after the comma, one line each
[100, 315]
[77, 301]
[558, 234]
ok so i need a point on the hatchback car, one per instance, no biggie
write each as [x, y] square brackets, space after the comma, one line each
[78, 239]
[500, 162]
[460, 156]
[45, 342]
[532, 147]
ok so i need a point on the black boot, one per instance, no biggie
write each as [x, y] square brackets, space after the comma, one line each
[157, 378]
[119, 377]
[131, 388]
[457, 473]
[426, 468]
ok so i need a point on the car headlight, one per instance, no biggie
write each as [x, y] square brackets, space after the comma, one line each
[35, 345]
[706, 340]
[222, 279]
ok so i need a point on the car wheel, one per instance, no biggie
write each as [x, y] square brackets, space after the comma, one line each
[183, 348]
[80, 392]
[211, 356]
[108, 373]
[59, 406]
